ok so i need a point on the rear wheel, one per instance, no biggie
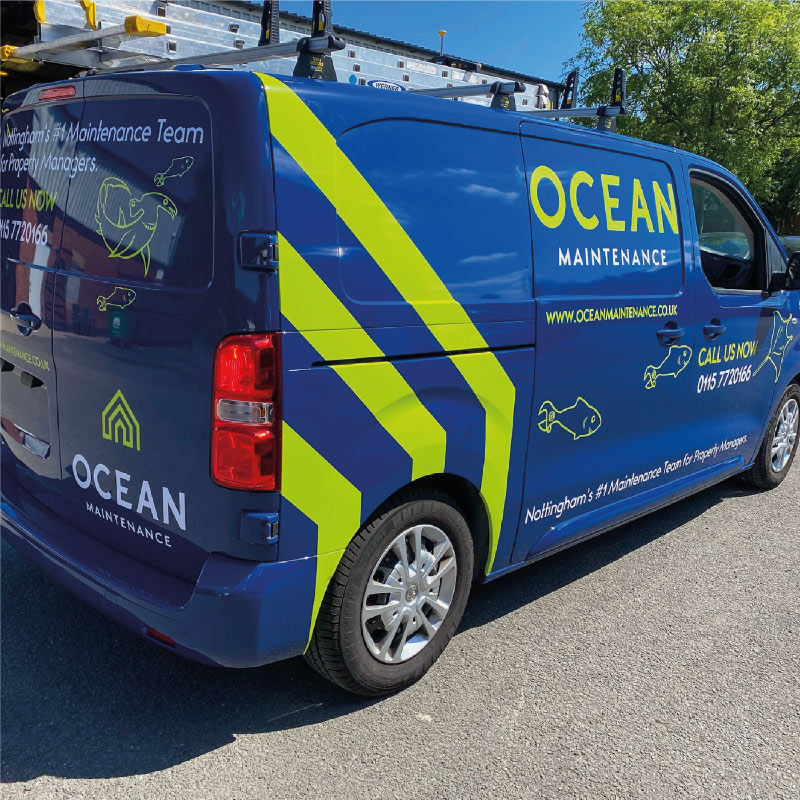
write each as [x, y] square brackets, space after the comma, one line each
[779, 448]
[397, 597]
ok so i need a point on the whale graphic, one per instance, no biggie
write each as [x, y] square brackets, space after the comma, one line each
[127, 223]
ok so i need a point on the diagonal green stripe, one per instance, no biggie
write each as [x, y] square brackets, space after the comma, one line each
[312, 146]
[322, 319]
[327, 498]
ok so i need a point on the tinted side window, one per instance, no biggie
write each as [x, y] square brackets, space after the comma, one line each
[459, 193]
[729, 244]
[604, 223]
[140, 202]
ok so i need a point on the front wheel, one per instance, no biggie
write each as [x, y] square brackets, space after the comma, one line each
[779, 448]
[397, 597]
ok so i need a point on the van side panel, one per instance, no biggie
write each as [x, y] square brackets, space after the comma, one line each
[405, 355]
[612, 277]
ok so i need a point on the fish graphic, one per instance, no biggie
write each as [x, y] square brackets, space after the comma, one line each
[177, 169]
[676, 361]
[780, 339]
[127, 223]
[580, 419]
[119, 298]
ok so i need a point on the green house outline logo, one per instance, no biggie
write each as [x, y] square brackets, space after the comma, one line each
[120, 424]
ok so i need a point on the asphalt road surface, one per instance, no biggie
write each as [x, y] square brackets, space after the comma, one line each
[661, 660]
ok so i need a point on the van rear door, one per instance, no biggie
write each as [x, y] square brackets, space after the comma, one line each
[35, 179]
[131, 294]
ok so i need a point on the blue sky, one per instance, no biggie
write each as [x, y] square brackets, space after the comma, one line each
[532, 36]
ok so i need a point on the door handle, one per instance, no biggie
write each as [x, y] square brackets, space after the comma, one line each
[714, 329]
[26, 320]
[670, 334]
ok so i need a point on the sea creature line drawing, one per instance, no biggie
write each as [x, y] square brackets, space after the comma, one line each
[581, 419]
[127, 223]
[780, 339]
[177, 169]
[677, 359]
[119, 298]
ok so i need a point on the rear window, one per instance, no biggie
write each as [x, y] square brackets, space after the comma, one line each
[140, 205]
[35, 180]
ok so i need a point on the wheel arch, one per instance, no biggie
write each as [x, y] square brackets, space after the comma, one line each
[469, 502]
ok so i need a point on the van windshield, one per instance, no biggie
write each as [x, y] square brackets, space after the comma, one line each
[140, 201]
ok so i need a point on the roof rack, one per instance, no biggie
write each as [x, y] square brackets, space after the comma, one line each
[502, 92]
[607, 114]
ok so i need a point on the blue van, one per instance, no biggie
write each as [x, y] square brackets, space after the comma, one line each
[287, 365]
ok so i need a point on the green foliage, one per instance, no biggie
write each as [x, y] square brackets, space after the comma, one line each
[719, 78]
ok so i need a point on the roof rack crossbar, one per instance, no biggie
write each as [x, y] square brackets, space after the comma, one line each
[496, 88]
[558, 113]
[607, 114]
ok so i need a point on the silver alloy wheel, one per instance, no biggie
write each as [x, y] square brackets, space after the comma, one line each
[409, 594]
[785, 435]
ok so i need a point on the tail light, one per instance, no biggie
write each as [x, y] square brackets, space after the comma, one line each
[245, 441]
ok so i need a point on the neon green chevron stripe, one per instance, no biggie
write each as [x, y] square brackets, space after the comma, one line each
[312, 146]
[327, 498]
[335, 334]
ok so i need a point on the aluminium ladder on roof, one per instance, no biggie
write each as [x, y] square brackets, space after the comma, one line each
[194, 32]
[128, 45]
[133, 27]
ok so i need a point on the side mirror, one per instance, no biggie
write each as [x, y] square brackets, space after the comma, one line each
[793, 273]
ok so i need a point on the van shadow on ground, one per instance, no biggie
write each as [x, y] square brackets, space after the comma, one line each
[82, 698]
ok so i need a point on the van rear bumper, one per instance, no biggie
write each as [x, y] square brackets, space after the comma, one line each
[240, 613]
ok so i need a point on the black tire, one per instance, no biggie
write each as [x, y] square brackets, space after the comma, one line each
[762, 474]
[338, 650]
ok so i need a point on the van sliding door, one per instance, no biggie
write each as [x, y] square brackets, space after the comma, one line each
[614, 339]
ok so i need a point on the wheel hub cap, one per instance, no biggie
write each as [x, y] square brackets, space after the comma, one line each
[785, 439]
[409, 594]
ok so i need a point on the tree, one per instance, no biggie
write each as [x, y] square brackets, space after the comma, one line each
[718, 78]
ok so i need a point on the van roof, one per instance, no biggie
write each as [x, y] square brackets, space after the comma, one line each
[365, 103]
[343, 106]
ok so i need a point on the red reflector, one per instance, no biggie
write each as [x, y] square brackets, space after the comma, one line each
[245, 458]
[245, 451]
[160, 637]
[57, 92]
